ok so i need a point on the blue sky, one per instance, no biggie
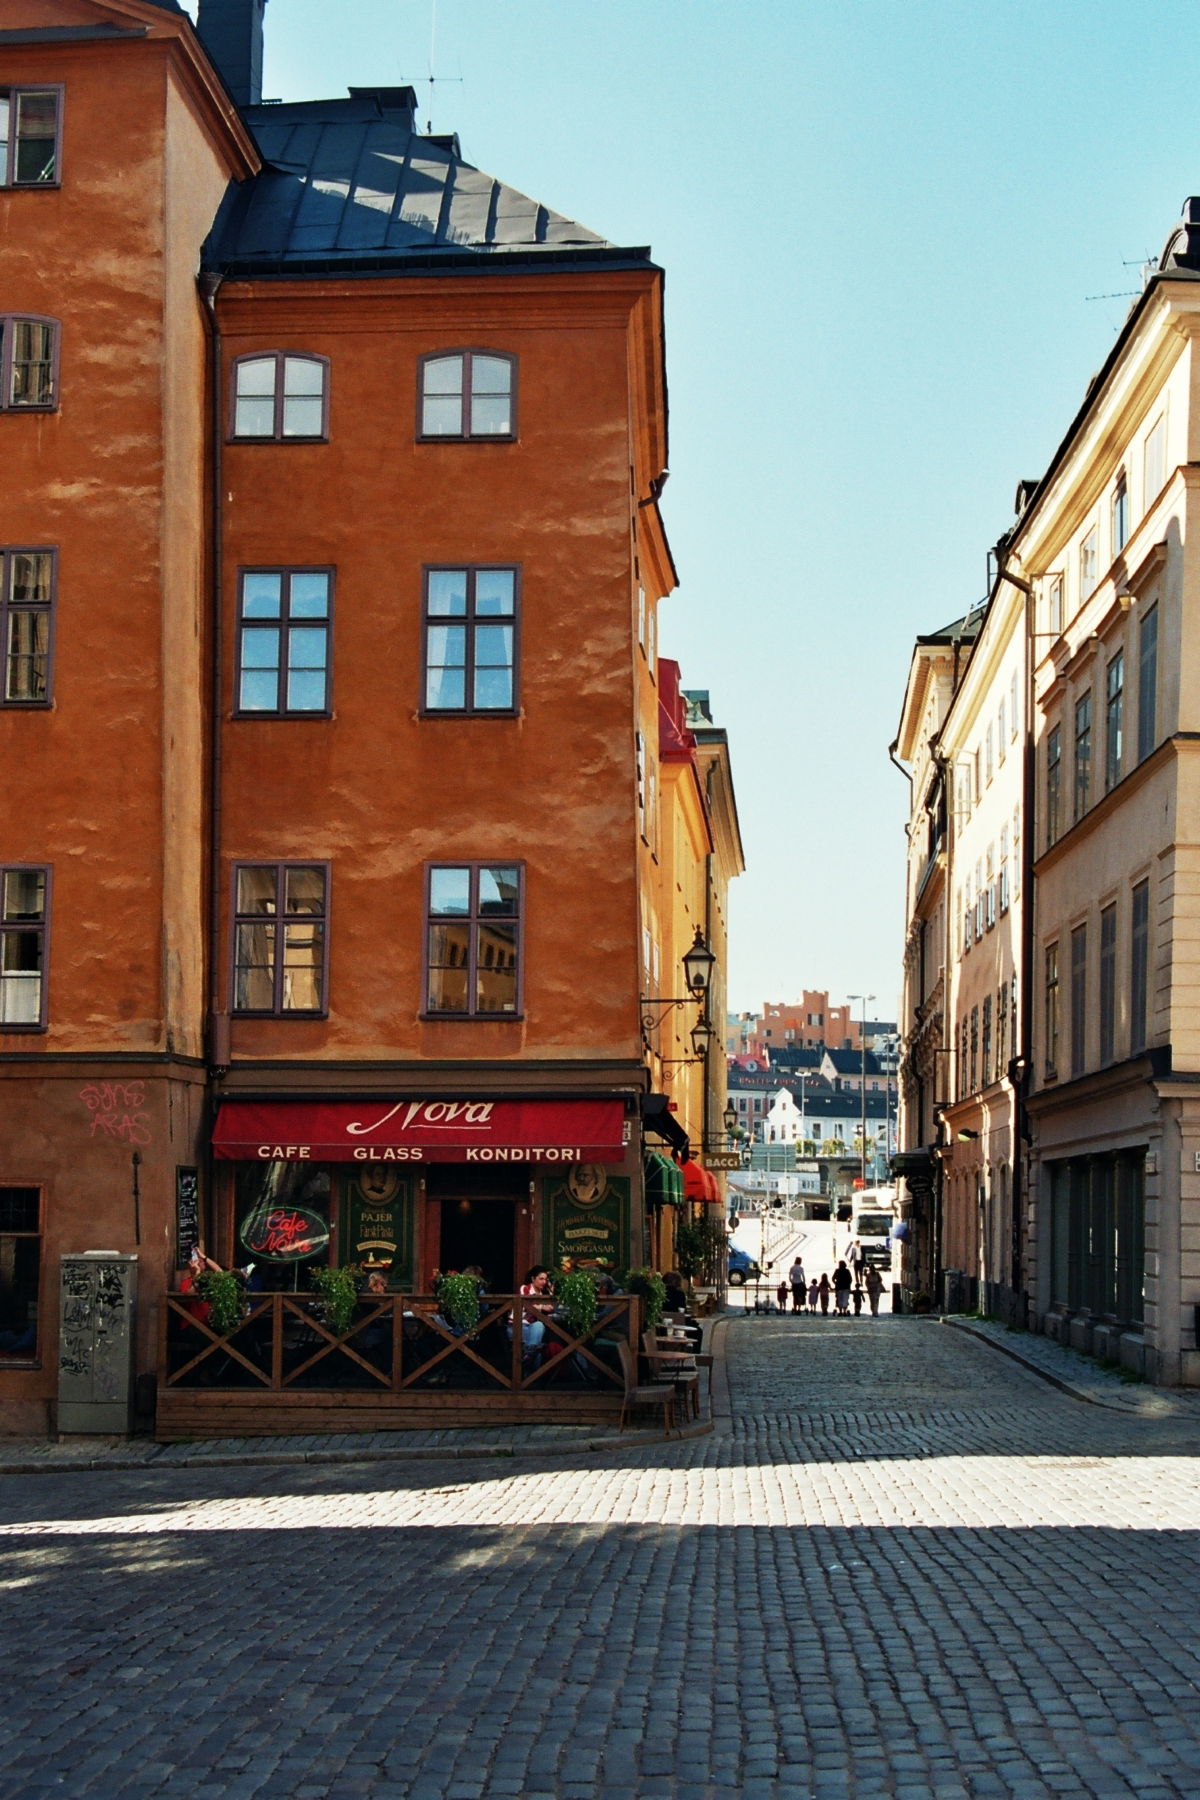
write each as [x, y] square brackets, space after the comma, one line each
[884, 226]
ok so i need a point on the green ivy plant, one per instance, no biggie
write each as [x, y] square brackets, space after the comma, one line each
[653, 1292]
[224, 1293]
[458, 1297]
[575, 1292]
[339, 1291]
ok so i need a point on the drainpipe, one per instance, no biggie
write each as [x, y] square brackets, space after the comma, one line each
[1020, 1069]
[217, 1031]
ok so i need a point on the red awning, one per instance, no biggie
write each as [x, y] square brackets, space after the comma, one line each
[421, 1131]
[698, 1183]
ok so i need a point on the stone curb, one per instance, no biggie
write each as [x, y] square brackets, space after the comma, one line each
[1115, 1403]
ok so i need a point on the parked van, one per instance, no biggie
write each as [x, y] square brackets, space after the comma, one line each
[742, 1268]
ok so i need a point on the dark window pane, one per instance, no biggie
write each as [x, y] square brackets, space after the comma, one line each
[499, 889]
[27, 660]
[24, 894]
[256, 888]
[36, 135]
[19, 1209]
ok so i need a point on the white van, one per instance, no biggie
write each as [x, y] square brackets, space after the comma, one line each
[871, 1223]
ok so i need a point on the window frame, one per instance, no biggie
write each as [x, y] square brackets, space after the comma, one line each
[1078, 998]
[8, 608]
[278, 921]
[24, 1359]
[471, 620]
[1052, 1017]
[1114, 719]
[1147, 721]
[8, 181]
[1119, 514]
[1139, 967]
[473, 921]
[1107, 1011]
[1053, 784]
[1089, 563]
[276, 435]
[468, 352]
[1082, 757]
[42, 930]
[286, 623]
[7, 321]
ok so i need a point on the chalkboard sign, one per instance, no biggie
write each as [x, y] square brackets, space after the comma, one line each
[187, 1214]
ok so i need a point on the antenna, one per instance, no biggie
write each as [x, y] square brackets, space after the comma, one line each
[431, 79]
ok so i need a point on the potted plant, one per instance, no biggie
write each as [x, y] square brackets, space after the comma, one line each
[338, 1290]
[458, 1297]
[652, 1290]
[575, 1293]
[226, 1298]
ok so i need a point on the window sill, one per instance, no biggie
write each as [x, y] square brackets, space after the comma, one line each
[23, 1030]
[447, 437]
[309, 1016]
[448, 1018]
[278, 440]
[285, 718]
[462, 712]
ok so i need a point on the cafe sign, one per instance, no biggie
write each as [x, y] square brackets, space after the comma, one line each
[285, 1233]
[420, 1130]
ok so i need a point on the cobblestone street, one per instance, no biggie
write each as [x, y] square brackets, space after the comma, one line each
[902, 1566]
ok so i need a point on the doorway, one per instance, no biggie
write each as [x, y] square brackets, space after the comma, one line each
[482, 1231]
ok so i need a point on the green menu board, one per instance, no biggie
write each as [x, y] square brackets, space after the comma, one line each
[377, 1231]
[586, 1218]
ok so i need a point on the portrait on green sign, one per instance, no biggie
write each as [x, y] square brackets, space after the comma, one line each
[377, 1210]
[587, 1219]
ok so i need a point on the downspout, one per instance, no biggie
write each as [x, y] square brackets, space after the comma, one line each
[1020, 1069]
[217, 1034]
[943, 763]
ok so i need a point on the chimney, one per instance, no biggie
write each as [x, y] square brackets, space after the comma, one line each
[232, 33]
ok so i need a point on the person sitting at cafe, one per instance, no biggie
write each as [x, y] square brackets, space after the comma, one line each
[539, 1304]
[676, 1312]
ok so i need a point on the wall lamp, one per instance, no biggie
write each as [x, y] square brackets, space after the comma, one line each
[697, 972]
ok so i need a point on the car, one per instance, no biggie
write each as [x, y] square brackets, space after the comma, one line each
[742, 1268]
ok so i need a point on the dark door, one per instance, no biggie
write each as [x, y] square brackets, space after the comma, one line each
[483, 1232]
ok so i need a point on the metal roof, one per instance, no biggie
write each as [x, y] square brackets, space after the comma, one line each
[350, 185]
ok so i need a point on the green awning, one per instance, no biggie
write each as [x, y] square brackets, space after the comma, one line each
[664, 1180]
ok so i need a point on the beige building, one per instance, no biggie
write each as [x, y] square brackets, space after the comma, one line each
[1087, 665]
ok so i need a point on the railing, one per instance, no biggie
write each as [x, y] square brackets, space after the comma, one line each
[395, 1343]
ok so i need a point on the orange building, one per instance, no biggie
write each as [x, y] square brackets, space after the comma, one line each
[330, 590]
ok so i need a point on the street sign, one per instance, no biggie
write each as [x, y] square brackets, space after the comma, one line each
[723, 1159]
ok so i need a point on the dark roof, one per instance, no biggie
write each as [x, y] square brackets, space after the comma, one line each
[852, 1062]
[846, 1105]
[349, 185]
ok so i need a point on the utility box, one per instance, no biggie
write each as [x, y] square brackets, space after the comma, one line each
[97, 1301]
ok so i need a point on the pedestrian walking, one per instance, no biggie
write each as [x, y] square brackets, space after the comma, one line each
[874, 1283]
[856, 1260]
[823, 1292]
[799, 1283]
[857, 1297]
[843, 1281]
[813, 1291]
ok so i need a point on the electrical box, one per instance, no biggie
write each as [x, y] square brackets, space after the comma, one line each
[97, 1302]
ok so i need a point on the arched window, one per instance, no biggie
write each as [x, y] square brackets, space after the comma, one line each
[467, 394]
[280, 397]
[28, 363]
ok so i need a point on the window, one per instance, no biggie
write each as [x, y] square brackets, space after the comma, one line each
[470, 640]
[1147, 683]
[29, 136]
[24, 914]
[1053, 784]
[1088, 565]
[20, 1271]
[1114, 718]
[1139, 968]
[980, 902]
[1083, 753]
[976, 778]
[1078, 999]
[28, 363]
[1054, 607]
[1012, 705]
[1001, 733]
[987, 1041]
[1001, 1029]
[967, 917]
[473, 940]
[1016, 851]
[974, 1075]
[1051, 999]
[280, 917]
[1003, 896]
[1154, 462]
[278, 396]
[964, 1040]
[283, 641]
[990, 888]
[989, 754]
[1120, 515]
[1108, 983]
[470, 394]
[26, 593]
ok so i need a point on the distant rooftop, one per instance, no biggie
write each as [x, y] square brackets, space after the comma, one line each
[351, 185]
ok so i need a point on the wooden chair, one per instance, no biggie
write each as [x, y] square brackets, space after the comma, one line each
[644, 1394]
[679, 1367]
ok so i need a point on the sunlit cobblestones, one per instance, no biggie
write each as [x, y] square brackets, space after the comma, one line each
[902, 1568]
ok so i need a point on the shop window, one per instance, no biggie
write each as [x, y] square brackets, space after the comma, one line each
[468, 394]
[470, 640]
[280, 397]
[24, 919]
[473, 940]
[1097, 1236]
[29, 134]
[26, 597]
[280, 938]
[283, 641]
[28, 363]
[20, 1271]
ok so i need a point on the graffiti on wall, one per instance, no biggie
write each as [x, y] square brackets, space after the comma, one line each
[116, 1110]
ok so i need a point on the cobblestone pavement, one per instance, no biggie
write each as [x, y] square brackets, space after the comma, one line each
[904, 1568]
